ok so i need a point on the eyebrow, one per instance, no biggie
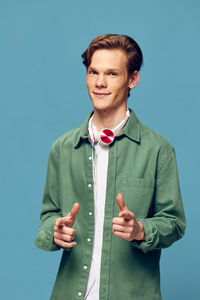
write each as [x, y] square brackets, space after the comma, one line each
[107, 70]
[113, 70]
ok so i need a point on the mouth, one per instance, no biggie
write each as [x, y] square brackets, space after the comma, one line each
[101, 95]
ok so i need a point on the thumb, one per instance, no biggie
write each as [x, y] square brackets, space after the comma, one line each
[120, 202]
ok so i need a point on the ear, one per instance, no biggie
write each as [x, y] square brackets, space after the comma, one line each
[133, 80]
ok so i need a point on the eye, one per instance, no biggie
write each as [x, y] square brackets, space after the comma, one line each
[113, 74]
[92, 72]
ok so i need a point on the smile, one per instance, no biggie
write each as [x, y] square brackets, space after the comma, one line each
[101, 95]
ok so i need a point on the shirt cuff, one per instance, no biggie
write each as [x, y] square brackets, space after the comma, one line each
[151, 236]
[44, 239]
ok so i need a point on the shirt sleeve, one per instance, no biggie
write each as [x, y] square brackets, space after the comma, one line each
[50, 206]
[167, 222]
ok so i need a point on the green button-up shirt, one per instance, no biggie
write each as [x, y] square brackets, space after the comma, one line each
[142, 166]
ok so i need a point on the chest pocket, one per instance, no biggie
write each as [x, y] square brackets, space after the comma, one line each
[138, 194]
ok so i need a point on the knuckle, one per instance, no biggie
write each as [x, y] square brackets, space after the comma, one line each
[66, 237]
[65, 230]
[71, 231]
[70, 238]
[115, 227]
[55, 234]
[55, 228]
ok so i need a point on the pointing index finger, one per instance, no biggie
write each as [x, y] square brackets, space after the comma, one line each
[120, 202]
[70, 218]
[124, 211]
[75, 210]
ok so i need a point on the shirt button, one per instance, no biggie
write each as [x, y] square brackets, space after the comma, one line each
[90, 157]
[90, 213]
[88, 240]
[85, 267]
[79, 294]
[89, 185]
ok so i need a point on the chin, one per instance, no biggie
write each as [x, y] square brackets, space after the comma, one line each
[101, 106]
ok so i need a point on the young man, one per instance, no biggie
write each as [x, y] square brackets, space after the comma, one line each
[112, 198]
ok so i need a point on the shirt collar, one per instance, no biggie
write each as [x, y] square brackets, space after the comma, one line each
[83, 133]
[132, 129]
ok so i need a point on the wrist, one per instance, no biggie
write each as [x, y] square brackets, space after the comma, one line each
[141, 234]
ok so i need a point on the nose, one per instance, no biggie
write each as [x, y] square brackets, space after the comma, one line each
[101, 81]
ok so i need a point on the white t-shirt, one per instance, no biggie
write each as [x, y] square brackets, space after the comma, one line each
[100, 167]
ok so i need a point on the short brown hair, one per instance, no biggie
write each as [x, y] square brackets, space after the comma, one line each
[116, 41]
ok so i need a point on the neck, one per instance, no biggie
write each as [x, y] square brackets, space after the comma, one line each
[108, 119]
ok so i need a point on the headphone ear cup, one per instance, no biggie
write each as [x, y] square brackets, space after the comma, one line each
[106, 137]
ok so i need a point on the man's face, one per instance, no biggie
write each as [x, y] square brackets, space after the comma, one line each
[107, 80]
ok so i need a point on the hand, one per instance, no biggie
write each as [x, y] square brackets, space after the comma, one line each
[125, 225]
[63, 231]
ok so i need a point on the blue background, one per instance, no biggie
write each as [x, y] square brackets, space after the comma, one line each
[43, 94]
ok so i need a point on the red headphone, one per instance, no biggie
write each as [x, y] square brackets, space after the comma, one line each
[106, 136]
